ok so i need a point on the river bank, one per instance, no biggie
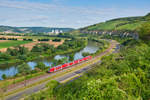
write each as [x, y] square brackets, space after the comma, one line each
[33, 56]
[90, 47]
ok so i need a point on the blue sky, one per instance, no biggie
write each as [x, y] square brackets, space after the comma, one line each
[68, 13]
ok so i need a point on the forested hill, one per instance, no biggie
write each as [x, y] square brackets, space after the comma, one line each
[127, 23]
[9, 29]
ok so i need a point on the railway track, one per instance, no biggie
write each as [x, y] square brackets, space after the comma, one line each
[77, 73]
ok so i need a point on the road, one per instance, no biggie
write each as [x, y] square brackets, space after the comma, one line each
[77, 72]
[42, 86]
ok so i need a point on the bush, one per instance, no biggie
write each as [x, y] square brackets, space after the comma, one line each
[24, 68]
[56, 40]
[71, 57]
[4, 56]
[27, 39]
[43, 39]
[22, 57]
[84, 54]
[144, 31]
[52, 84]
[34, 71]
[40, 65]
[4, 76]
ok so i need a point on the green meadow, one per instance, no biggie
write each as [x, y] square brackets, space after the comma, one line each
[127, 23]
[12, 43]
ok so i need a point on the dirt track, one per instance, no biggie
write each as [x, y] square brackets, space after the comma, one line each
[1, 36]
[3, 41]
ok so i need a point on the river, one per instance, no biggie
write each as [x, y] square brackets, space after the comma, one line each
[91, 47]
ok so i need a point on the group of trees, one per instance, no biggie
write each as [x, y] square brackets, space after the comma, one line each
[71, 56]
[144, 31]
[41, 66]
[43, 47]
[56, 40]
[8, 38]
[27, 39]
[22, 53]
[4, 56]
[59, 61]
[84, 54]
[43, 39]
[18, 52]
[12, 39]
[72, 44]
[25, 69]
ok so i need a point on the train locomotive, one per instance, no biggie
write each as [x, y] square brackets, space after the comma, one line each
[60, 67]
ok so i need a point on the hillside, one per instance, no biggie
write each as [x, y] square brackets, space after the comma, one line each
[127, 23]
[9, 29]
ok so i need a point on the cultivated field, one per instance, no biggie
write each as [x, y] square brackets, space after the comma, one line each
[7, 36]
[4, 44]
[30, 37]
[30, 45]
[11, 43]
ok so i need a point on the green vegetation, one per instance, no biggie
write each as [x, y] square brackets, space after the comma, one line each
[40, 66]
[40, 69]
[4, 76]
[103, 45]
[128, 23]
[8, 44]
[21, 54]
[84, 54]
[51, 87]
[144, 31]
[60, 61]
[56, 40]
[122, 76]
[45, 50]
[71, 57]
[24, 68]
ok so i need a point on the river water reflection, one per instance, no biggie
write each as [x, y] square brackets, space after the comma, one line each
[92, 47]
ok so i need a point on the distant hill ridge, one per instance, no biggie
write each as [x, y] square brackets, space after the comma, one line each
[10, 29]
[119, 24]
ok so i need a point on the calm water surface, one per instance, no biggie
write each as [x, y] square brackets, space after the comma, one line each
[92, 47]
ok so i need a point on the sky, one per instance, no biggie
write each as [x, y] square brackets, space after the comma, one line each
[68, 13]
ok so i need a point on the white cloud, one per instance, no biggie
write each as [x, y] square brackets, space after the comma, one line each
[26, 5]
[25, 13]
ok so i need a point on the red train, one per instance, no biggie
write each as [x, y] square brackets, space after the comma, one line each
[56, 68]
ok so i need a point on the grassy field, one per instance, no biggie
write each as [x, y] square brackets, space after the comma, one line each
[12, 43]
[127, 23]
